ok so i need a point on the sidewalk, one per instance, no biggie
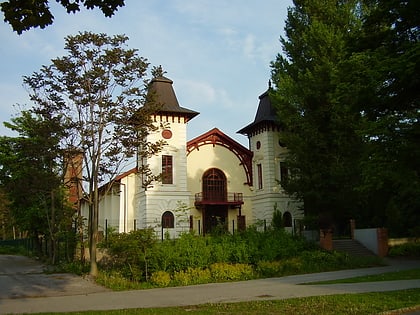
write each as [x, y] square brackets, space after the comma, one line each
[262, 289]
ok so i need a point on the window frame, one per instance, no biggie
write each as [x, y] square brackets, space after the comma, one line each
[167, 169]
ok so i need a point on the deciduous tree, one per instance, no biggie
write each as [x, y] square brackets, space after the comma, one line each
[97, 91]
[23, 15]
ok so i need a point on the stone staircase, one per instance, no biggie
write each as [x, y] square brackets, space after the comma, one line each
[351, 247]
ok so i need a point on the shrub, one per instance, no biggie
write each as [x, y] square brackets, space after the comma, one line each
[187, 251]
[192, 276]
[160, 278]
[411, 249]
[115, 281]
[229, 272]
[267, 269]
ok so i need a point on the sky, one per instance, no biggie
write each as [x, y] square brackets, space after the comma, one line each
[217, 52]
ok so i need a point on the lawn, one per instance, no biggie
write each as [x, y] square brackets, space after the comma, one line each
[389, 276]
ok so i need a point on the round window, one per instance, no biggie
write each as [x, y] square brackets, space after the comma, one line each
[167, 134]
[258, 145]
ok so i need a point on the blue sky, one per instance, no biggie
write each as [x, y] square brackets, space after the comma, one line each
[217, 52]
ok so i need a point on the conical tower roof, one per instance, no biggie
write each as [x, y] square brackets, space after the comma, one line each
[266, 114]
[161, 95]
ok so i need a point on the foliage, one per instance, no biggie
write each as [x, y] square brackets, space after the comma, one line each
[24, 15]
[192, 276]
[32, 178]
[13, 250]
[231, 272]
[96, 93]
[277, 221]
[131, 252]
[319, 128]
[195, 259]
[411, 249]
[389, 48]
[160, 278]
[347, 90]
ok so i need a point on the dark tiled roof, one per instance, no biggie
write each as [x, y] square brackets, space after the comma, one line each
[162, 95]
[266, 113]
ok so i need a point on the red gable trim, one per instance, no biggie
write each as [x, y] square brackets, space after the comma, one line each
[125, 174]
[216, 137]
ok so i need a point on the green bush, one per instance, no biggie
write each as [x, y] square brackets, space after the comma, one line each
[160, 278]
[411, 249]
[267, 269]
[193, 259]
[228, 272]
[187, 251]
[192, 276]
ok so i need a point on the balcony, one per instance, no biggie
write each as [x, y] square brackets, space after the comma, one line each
[234, 200]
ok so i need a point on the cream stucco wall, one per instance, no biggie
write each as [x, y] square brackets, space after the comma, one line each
[269, 155]
[159, 197]
[117, 208]
[216, 156]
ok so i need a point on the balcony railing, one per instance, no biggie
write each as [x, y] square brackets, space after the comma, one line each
[232, 199]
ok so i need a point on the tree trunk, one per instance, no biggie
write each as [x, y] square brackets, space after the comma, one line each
[94, 233]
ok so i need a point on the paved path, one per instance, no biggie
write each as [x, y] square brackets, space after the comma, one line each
[88, 296]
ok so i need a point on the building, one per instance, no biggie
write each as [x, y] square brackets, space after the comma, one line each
[208, 182]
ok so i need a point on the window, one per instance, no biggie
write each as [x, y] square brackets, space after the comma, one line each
[167, 169]
[168, 220]
[284, 172]
[214, 185]
[259, 174]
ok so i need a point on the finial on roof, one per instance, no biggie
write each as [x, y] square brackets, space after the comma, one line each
[269, 84]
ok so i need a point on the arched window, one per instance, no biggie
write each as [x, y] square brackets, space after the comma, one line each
[287, 219]
[168, 220]
[214, 185]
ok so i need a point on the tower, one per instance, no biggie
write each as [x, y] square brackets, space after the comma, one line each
[160, 201]
[268, 165]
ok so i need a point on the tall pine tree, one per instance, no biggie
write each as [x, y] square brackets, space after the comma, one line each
[316, 110]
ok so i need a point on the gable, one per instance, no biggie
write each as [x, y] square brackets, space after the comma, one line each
[215, 137]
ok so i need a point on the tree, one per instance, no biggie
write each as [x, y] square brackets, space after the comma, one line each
[315, 107]
[23, 15]
[347, 93]
[390, 47]
[97, 91]
[31, 175]
[6, 221]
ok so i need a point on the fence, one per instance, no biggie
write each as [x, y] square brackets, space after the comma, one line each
[64, 250]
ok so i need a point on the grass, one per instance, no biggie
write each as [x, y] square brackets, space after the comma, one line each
[366, 303]
[389, 276]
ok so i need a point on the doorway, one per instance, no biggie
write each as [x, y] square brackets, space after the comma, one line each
[215, 219]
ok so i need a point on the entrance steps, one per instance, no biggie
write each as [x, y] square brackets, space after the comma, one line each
[351, 247]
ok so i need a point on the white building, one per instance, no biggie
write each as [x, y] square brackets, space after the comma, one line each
[207, 182]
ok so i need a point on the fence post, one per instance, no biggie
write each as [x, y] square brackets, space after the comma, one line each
[352, 228]
[382, 239]
[325, 239]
